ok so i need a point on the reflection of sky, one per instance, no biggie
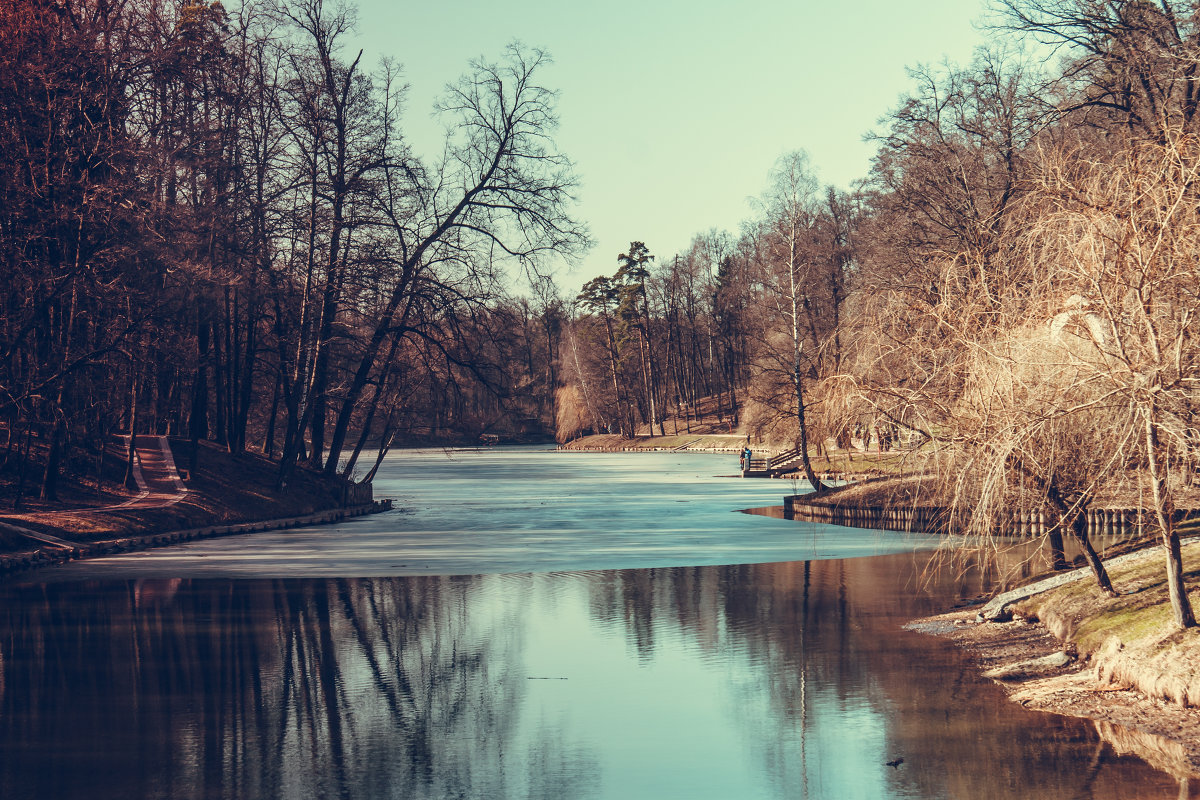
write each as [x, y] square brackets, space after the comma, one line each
[686, 721]
[642, 713]
[770, 681]
[510, 510]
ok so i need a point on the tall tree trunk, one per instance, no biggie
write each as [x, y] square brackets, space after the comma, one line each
[612, 361]
[269, 438]
[49, 489]
[233, 359]
[647, 388]
[130, 480]
[797, 377]
[385, 444]
[1164, 509]
[583, 383]
[198, 418]
[651, 367]
[1076, 518]
[246, 397]
[24, 471]
[220, 382]
[372, 407]
[362, 376]
[1079, 529]
[802, 424]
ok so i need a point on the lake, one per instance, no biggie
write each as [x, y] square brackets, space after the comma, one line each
[527, 624]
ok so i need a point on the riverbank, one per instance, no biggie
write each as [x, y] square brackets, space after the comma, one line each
[851, 465]
[1117, 661]
[227, 494]
[698, 442]
[1069, 649]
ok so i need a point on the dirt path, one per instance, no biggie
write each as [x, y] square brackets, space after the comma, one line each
[157, 478]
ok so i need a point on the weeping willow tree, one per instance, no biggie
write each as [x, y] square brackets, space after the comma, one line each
[1068, 364]
[1119, 238]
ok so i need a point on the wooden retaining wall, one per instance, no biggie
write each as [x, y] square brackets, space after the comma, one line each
[357, 494]
[1122, 522]
[54, 555]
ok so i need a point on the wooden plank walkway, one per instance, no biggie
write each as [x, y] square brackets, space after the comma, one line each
[770, 466]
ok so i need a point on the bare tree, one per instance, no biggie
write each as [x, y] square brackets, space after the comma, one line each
[1120, 239]
[500, 191]
[599, 296]
[790, 272]
[1135, 63]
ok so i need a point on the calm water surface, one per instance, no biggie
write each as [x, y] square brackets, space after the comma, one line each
[495, 640]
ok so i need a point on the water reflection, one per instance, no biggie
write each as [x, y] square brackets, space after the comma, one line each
[393, 688]
[788, 680]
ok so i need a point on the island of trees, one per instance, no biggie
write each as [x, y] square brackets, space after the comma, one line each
[214, 228]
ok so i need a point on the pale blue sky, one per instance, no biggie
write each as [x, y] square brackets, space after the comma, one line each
[674, 111]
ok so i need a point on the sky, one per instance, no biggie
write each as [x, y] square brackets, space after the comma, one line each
[673, 112]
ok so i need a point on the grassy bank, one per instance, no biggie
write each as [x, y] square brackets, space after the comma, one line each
[1118, 661]
[1129, 640]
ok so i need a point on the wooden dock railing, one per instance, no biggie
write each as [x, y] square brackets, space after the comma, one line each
[1118, 522]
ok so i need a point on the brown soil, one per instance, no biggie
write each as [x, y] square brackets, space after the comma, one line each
[614, 443]
[225, 488]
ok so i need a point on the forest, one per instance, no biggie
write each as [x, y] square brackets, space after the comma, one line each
[1010, 295]
[213, 228]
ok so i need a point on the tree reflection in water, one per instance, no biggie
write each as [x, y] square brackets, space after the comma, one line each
[433, 687]
[828, 687]
[340, 688]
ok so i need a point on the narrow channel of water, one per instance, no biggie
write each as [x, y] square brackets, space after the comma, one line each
[167, 677]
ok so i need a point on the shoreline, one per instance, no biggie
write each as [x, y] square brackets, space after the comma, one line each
[1057, 646]
[712, 443]
[1037, 664]
[1035, 669]
[682, 442]
[13, 563]
[1040, 666]
[228, 494]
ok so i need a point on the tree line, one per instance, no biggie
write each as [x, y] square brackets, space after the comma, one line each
[213, 227]
[1013, 288]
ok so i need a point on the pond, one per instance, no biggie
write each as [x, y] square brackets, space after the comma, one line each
[532, 625]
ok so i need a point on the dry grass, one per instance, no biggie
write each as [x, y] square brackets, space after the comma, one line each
[897, 491]
[1130, 638]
